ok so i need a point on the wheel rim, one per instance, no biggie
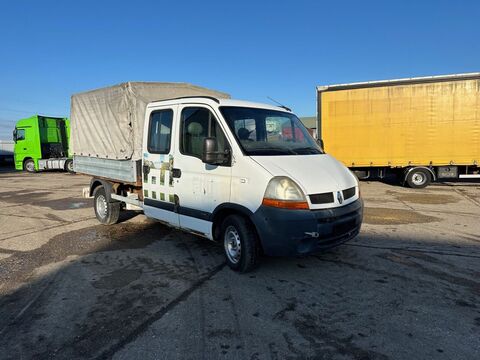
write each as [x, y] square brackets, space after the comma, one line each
[101, 205]
[233, 247]
[419, 178]
[70, 166]
[30, 166]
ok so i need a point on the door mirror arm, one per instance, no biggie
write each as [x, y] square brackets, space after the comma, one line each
[320, 143]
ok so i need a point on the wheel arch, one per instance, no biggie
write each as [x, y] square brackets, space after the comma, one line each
[224, 210]
[410, 169]
[26, 158]
[108, 186]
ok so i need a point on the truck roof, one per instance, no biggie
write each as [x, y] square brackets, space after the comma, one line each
[220, 101]
[404, 81]
[34, 119]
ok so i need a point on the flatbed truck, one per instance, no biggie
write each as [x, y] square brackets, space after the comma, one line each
[247, 175]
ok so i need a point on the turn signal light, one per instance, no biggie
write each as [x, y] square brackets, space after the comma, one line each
[286, 204]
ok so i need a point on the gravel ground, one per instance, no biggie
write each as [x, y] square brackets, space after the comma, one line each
[407, 288]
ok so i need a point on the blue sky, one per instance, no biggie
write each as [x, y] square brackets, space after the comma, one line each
[250, 49]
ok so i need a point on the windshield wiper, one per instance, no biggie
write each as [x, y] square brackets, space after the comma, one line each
[276, 151]
[306, 150]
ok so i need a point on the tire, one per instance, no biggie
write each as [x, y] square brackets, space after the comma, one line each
[29, 166]
[106, 212]
[418, 178]
[69, 166]
[240, 243]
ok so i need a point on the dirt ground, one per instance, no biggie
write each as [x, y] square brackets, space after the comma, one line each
[407, 288]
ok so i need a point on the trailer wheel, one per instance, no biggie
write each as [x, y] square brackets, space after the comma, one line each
[240, 243]
[69, 166]
[29, 166]
[106, 212]
[418, 178]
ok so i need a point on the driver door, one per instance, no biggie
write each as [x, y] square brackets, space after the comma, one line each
[200, 187]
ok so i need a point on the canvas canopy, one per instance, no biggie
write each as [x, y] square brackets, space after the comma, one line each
[108, 123]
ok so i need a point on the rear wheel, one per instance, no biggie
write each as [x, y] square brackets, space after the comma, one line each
[69, 166]
[240, 243]
[29, 165]
[106, 212]
[419, 178]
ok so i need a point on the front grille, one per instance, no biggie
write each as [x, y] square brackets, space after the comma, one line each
[324, 198]
[348, 193]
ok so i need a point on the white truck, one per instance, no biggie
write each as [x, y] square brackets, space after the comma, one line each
[245, 174]
[6, 151]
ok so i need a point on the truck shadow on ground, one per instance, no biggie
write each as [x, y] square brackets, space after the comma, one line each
[43, 198]
[93, 293]
[7, 168]
[395, 182]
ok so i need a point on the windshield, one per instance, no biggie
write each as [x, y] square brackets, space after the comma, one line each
[269, 132]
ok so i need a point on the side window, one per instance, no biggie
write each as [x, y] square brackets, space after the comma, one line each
[160, 132]
[20, 134]
[197, 123]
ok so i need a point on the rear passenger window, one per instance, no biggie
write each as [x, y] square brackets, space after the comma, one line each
[197, 124]
[160, 131]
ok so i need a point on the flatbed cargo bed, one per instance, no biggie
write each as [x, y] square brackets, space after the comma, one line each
[107, 126]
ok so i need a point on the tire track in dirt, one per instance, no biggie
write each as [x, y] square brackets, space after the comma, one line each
[134, 334]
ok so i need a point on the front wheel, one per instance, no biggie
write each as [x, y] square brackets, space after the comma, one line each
[29, 166]
[240, 243]
[106, 212]
[418, 178]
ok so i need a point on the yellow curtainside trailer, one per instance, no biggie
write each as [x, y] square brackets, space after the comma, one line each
[422, 129]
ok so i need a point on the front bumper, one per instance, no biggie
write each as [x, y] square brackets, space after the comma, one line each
[286, 232]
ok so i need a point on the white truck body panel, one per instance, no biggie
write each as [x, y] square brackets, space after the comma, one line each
[6, 147]
[218, 167]
[330, 174]
[203, 187]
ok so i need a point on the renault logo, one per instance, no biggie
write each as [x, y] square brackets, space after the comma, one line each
[339, 197]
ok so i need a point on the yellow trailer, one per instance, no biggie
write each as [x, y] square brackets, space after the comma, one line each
[422, 129]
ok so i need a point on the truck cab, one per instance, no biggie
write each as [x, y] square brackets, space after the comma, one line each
[245, 174]
[41, 143]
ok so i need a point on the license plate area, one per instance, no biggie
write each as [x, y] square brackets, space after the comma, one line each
[344, 227]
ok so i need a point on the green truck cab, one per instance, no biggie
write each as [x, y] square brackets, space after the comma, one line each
[42, 143]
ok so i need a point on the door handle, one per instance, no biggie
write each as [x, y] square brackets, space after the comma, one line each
[176, 173]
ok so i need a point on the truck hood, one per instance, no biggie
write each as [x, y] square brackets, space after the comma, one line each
[313, 173]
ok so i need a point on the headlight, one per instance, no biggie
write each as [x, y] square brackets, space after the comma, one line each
[283, 192]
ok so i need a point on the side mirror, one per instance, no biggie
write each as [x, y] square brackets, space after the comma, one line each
[15, 135]
[210, 154]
